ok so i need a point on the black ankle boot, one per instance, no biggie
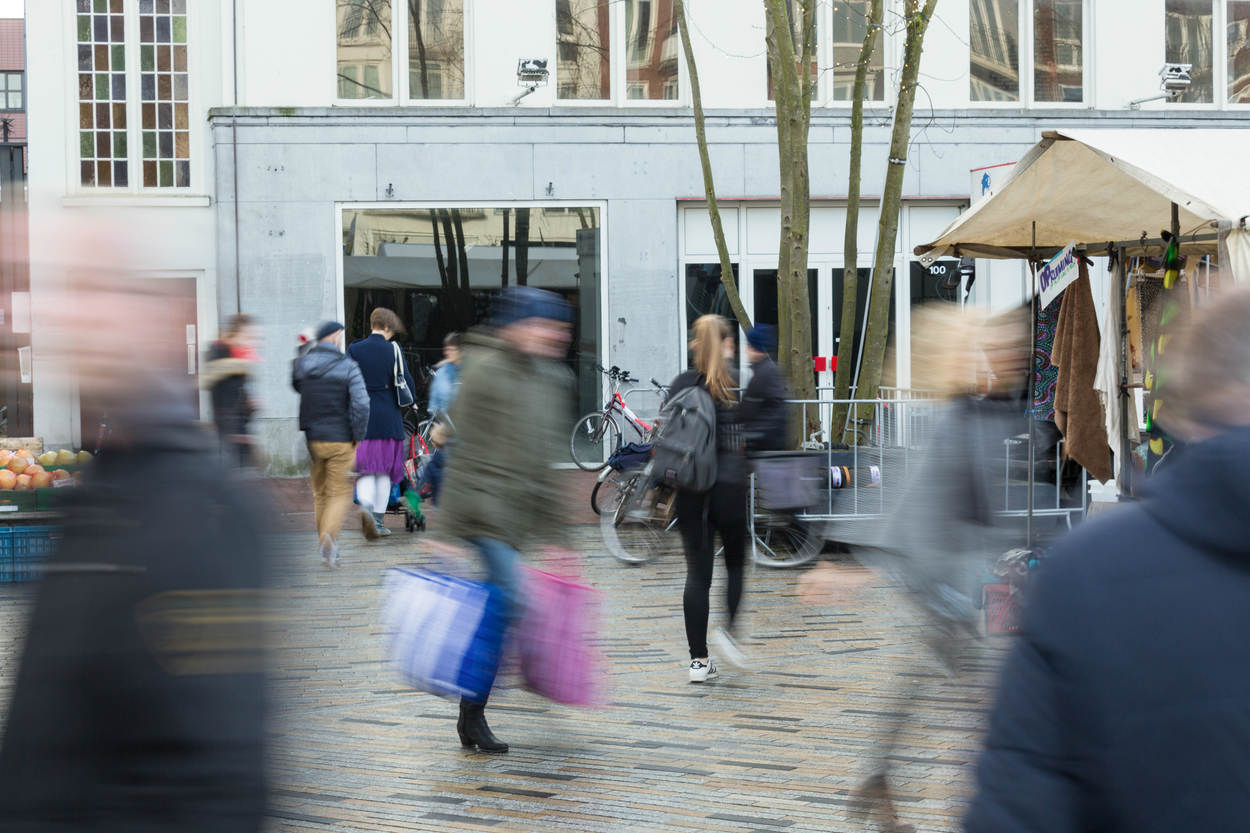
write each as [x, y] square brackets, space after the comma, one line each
[474, 731]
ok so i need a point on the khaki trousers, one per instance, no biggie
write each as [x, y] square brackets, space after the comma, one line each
[332, 483]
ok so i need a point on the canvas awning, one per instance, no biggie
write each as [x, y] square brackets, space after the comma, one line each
[1095, 187]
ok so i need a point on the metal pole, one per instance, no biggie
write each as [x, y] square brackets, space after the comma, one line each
[1028, 540]
[1125, 473]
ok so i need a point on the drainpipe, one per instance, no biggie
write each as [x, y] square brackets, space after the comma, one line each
[234, 151]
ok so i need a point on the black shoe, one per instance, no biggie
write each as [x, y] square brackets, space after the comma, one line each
[474, 731]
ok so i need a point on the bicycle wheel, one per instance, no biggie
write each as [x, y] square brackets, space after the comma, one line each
[607, 492]
[595, 437]
[784, 541]
[636, 531]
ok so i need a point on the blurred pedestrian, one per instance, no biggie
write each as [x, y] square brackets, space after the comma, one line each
[1124, 705]
[719, 510]
[501, 494]
[764, 413]
[139, 703]
[333, 414]
[227, 374]
[940, 531]
[443, 392]
[380, 456]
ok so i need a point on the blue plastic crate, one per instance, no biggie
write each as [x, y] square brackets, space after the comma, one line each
[30, 547]
[6, 554]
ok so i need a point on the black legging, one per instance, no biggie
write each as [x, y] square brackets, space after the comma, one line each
[700, 517]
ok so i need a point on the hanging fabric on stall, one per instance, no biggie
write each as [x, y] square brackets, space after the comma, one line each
[1164, 302]
[1107, 377]
[1078, 410]
[1045, 373]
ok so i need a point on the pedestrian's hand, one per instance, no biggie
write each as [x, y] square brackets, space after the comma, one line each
[828, 583]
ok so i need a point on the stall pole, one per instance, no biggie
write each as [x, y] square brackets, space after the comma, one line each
[1028, 540]
[1124, 467]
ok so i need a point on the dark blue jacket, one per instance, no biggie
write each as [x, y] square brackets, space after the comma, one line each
[376, 358]
[1125, 704]
[333, 404]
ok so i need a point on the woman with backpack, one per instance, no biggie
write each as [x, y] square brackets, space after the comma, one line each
[720, 508]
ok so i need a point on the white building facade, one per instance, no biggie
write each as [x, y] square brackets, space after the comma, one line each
[312, 159]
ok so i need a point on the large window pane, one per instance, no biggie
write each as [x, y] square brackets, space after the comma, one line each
[1057, 58]
[364, 48]
[102, 98]
[994, 32]
[1189, 41]
[438, 269]
[436, 49]
[850, 23]
[1239, 51]
[164, 89]
[583, 49]
[795, 13]
[651, 32]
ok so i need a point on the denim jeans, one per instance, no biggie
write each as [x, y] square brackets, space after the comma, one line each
[503, 569]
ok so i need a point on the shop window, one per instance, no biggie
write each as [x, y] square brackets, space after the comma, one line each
[364, 49]
[1239, 51]
[1189, 40]
[583, 55]
[651, 47]
[850, 25]
[436, 49]
[794, 11]
[994, 63]
[11, 91]
[1058, 62]
[440, 268]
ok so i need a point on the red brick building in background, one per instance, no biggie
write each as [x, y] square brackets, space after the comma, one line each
[15, 350]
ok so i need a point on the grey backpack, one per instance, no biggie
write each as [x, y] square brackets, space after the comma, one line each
[685, 451]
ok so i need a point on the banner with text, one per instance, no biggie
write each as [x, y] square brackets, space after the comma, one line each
[1055, 276]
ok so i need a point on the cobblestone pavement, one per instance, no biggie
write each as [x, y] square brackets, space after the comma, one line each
[779, 748]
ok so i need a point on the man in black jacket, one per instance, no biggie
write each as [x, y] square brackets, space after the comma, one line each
[763, 410]
[333, 414]
[1125, 704]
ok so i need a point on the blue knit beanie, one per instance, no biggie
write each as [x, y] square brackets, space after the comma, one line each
[516, 303]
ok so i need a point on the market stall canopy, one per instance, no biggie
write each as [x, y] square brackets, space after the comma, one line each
[1093, 187]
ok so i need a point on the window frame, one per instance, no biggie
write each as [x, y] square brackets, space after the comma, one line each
[1219, 64]
[1027, 99]
[618, 70]
[890, 59]
[401, 92]
[5, 91]
[198, 19]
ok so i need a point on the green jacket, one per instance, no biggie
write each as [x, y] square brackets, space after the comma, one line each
[510, 423]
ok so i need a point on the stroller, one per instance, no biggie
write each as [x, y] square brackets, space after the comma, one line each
[405, 498]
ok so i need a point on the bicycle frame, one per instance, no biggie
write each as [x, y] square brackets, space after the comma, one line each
[617, 404]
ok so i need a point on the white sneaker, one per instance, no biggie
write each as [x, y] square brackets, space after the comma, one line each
[730, 649]
[700, 671]
[330, 552]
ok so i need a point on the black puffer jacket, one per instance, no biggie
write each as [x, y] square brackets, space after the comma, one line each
[1125, 705]
[333, 405]
[764, 414]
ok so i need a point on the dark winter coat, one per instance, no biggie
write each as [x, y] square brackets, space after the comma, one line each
[499, 484]
[139, 702]
[333, 404]
[1125, 704]
[376, 357]
[730, 464]
[764, 414]
[226, 379]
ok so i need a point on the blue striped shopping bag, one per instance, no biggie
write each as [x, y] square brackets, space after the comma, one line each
[446, 633]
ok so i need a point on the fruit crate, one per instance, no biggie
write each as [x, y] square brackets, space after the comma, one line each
[11, 500]
[50, 499]
[29, 547]
[6, 555]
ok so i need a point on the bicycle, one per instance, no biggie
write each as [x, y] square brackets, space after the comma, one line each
[600, 431]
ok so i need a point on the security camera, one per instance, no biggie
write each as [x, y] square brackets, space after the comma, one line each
[1176, 78]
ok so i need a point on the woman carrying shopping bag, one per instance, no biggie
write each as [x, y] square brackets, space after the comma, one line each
[380, 457]
[500, 494]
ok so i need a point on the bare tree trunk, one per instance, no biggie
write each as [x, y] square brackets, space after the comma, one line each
[850, 271]
[792, 85]
[877, 331]
[503, 278]
[700, 133]
[452, 284]
[522, 246]
[414, 11]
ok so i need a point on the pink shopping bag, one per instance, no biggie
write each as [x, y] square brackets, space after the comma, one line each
[555, 640]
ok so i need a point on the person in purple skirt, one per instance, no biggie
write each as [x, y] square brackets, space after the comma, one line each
[380, 457]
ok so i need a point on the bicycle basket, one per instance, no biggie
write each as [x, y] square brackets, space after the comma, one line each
[631, 456]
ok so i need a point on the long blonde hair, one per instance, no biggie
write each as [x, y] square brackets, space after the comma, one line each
[710, 332]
